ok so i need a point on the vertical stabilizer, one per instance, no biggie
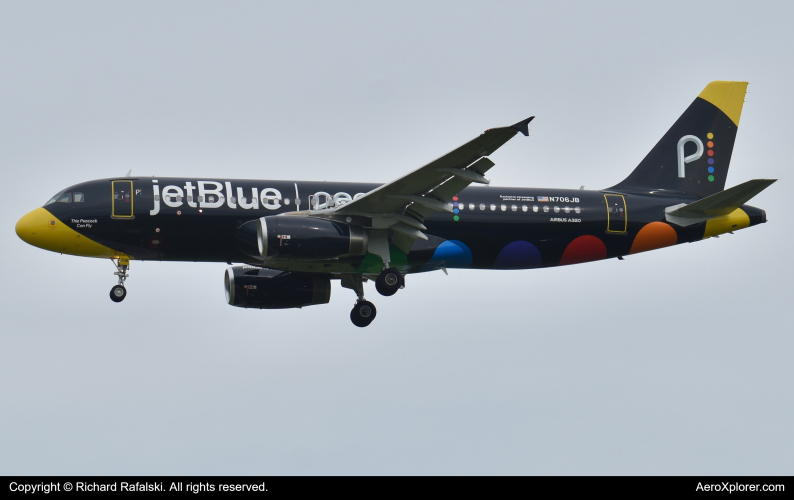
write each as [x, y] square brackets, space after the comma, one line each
[694, 155]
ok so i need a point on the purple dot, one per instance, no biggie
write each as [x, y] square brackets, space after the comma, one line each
[455, 204]
[711, 170]
[711, 161]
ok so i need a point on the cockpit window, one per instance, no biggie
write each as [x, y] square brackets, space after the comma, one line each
[66, 198]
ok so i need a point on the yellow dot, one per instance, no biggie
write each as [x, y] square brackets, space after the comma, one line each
[710, 135]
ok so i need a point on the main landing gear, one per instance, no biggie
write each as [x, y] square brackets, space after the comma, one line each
[363, 313]
[118, 292]
[387, 283]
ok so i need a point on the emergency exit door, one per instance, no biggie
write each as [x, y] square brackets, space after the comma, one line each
[617, 219]
[122, 199]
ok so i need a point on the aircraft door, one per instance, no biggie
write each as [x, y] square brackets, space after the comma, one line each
[617, 218]
[122, 199]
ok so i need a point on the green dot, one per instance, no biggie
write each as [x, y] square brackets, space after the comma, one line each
[711, 178]
[458, 218]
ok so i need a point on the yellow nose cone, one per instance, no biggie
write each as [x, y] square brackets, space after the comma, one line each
[42, 229]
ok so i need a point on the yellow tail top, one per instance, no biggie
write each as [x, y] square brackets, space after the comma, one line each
[727, 96]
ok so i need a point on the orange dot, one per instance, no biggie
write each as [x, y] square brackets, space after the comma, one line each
[710, 144]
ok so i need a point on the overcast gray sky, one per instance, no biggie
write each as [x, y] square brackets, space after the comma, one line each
[673, 362]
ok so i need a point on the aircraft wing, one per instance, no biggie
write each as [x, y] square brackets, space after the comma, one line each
[403, 204]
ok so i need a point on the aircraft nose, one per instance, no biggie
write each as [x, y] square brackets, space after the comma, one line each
[34, 227]
[42, 229]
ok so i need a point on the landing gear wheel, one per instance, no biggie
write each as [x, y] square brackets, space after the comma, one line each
[117, 293]
[363, 313]
[388, 282]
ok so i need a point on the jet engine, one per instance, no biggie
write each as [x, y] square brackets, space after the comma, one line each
[300, 238]
[262, 288]
[308, 238]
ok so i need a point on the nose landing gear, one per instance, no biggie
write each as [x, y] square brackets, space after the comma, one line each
[118, 292]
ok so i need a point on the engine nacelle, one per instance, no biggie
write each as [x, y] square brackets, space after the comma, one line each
[262, 288]
[308, 238]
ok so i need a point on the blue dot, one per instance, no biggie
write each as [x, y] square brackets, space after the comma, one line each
[456, 211]
[711, 170]
[711, 161]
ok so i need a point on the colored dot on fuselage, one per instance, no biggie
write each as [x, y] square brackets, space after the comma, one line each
[456, 218]
[711, 153]
[711, 161]
[710, 135]
[711, 178]
[711, 170]
[455, 198]
[456, 211]
[710, 144]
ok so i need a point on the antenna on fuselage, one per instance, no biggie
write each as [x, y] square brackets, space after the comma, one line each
[129, 173]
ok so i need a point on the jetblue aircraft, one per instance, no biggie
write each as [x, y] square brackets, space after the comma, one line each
[293, 238]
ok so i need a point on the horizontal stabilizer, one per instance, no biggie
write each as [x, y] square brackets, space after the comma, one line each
[722, 203]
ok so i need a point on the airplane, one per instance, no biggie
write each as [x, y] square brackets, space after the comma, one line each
[290, 239]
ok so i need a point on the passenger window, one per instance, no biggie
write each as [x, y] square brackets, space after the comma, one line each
[546, 208]
[471, 206]
[78, 197]
[65, 198]
[514, 208]
[482, 206]
[556, 210]
[534, 208]
[524, 208]
[493, 207]
[504, 207]
[577, 210]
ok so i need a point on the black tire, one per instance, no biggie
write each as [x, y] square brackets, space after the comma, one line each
[388, 282]
[117, 293]
[363, 313]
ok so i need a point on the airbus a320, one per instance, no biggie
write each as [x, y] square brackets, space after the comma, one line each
[291, 239]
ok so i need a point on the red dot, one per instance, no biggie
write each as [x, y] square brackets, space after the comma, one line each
[454, 198]
[711, 153]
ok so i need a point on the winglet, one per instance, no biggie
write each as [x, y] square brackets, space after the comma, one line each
[523, 125]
